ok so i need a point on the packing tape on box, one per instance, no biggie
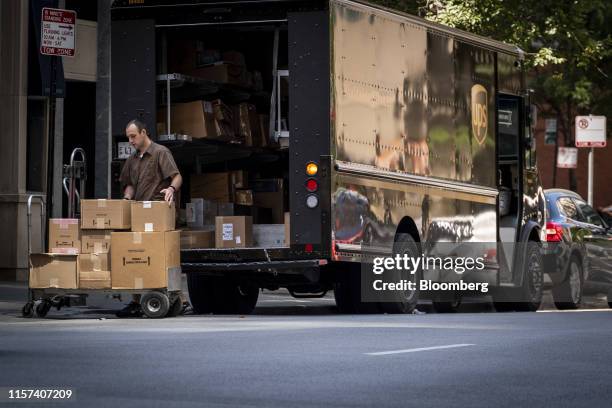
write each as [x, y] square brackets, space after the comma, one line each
[100, 221]
[98, 247]
[54, 282]
[101, 203]
[148, 227]
[96, 263]
[136, 237]
[146, 204]
[138, 283]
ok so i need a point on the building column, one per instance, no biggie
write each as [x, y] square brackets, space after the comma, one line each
[103, 103]
[13, 139]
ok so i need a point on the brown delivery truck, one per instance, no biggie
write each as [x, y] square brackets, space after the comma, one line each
[379, 133]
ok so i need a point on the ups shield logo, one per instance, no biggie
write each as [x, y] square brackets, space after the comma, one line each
[480, 117]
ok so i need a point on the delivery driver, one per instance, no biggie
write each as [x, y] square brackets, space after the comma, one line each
[149, 174]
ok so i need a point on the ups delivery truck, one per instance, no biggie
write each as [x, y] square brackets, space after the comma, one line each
[388, 134]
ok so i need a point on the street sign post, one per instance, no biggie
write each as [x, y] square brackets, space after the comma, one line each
[58, 32]
[567, 158]
[590, 132]
[57, 39]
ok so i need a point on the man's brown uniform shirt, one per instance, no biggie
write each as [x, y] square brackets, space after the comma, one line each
[149, 173]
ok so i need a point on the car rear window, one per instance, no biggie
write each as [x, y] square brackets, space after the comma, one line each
[568, 209]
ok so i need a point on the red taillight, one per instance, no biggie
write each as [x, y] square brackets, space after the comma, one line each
[308, 248]
[554, 232]
[312, 185]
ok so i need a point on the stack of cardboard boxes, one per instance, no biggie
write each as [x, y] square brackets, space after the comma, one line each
[228, 211]
[119, 244]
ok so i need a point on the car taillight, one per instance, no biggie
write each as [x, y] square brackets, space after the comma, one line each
[554, 232]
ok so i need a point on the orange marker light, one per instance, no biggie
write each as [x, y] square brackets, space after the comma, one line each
[311, 169]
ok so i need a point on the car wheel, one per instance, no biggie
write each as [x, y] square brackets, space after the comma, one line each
[568, 295]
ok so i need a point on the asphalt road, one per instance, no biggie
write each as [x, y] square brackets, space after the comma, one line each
[300, 353]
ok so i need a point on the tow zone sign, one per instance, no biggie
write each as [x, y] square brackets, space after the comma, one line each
[58, 32]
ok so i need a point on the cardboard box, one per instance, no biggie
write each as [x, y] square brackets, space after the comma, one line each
[146, 260]
[106, 214]
[53, 271]
[246, 123]
[224, 120]
[212, 186]
[234, 57]
[223, 73]
[195, 119]
[200, 212]
[153, 216]
[95, 241]
[233, 232]
[64, 236]
[94, 271]
[198, 239]
[269, 193]
[268, 235]
[287, 229]
[261, 137]
[243, 197]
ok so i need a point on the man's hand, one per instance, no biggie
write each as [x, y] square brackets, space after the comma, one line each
[168, 194]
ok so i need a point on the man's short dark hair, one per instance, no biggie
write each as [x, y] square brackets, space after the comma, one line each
[140, 125]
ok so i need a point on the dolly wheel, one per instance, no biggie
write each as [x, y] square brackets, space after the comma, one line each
[28, 310]
[155, 304]
[43, 308]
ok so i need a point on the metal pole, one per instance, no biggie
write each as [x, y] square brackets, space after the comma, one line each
[51, 138]
[591, 165]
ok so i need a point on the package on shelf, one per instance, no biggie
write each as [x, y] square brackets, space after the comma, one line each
[204, 238]
[233, 232]
[195, 119]
[268, 235]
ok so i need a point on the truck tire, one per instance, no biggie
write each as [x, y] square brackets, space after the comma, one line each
[155, 305]
[176, 307]
[533, 281]
[200, 290]
[568, 295]
[405, 301]
[233, 298]
[528, 297]
[347, 292]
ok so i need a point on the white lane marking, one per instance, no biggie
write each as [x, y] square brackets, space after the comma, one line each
[414, 350]
[574, 311]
